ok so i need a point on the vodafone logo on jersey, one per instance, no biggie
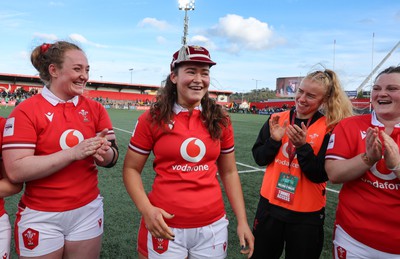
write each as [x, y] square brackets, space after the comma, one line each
[285, 150]
[193, 150]
[70, 138]
[385, 178]
[380, 167]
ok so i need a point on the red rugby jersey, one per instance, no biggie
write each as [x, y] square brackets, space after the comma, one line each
[45, 125]
[2, 122]
[369, 207]
[186, 182]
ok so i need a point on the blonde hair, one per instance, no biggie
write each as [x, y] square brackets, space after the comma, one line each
[336, 105]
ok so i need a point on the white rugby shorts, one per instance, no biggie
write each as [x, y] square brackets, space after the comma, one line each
[210, 241]
[5, 236]
[41, 233]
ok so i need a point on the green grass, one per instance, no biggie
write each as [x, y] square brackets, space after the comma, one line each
[122, 217]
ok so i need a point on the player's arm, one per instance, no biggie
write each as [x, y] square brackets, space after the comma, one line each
[23, 165]
[340, 171]
[313, 165]
[344, 170]
[153, 216]
[233, 189]
[6, 187]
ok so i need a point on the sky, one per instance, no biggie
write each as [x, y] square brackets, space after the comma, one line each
[253, 42]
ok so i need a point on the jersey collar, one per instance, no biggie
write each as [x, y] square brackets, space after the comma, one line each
[377, 123]
[54, 100]
[177, 108]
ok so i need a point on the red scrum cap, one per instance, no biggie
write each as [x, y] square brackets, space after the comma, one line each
[191, 54]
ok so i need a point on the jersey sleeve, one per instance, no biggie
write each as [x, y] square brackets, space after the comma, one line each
[227, 139]
[142, 137]
[343, 142]
[2, 123]
[19, 130]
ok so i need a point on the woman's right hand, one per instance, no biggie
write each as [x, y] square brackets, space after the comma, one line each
[155, 224]
[277, 131]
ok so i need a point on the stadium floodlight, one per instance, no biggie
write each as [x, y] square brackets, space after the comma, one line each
[186, 5]
[257, 80]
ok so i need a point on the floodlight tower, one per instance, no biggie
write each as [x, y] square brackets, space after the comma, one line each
[131, 69]
[186, 5]
[257, 80]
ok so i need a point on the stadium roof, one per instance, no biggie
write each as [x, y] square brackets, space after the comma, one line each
[29, 79]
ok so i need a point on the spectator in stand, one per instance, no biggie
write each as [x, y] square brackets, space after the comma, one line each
[363, 154]
[53, 142]
[6, 189]
[192, 139]
[292, 144]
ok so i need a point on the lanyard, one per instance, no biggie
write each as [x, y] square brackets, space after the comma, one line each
[291, 148]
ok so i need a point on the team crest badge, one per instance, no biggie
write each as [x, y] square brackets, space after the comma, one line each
[31, 238]
[341, 252]
[160, 245]
[84, 115]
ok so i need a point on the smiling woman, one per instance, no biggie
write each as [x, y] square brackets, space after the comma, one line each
[368, 165]
[292, 144]
[53, 142]
[192, 139]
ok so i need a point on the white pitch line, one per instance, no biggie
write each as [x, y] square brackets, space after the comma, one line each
[253, 169]
[248, 171]
[332, 190]
[130, 132]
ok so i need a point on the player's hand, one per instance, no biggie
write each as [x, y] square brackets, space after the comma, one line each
[297, 135]
[85, 148]
[246, 239]
[277, 131]
[373, 144]
[105, 146]
[391, 153]
[155, 224]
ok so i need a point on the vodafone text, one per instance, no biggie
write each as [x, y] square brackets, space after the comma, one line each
[188, 168]
[286, 163]
[384, 185]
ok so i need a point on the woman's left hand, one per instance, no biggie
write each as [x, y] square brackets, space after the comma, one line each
[391, 151]
[297, 135]
[104, 147]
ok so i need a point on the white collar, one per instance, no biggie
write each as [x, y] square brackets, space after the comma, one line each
[377, 123]
[178, 108]
[54, 100]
